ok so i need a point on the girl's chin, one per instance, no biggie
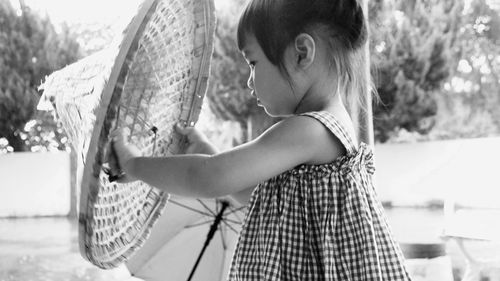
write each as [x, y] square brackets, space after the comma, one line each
[267, 111]
[276, 114]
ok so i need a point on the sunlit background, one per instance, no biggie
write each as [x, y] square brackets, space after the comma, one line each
[436, 149]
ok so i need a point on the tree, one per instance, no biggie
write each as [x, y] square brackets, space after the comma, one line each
[92, 37]
[42, 133]
[411, 61]
[471, 98]
[30, 49]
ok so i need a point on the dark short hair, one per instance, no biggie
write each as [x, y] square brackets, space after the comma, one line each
[276, 23]
[340, 23]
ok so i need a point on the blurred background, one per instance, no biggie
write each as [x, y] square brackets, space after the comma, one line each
[435, 65]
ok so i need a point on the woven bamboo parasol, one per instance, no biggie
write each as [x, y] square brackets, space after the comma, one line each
[151, 79]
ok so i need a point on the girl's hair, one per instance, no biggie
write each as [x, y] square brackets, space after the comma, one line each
[340, 23]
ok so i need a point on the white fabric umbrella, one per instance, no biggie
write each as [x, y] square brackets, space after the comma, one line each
[178, 239]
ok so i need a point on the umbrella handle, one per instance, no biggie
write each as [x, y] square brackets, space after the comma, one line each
[210, 235]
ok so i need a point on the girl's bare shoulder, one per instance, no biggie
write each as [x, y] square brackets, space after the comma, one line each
[308, 136]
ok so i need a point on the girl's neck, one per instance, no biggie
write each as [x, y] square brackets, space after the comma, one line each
[320, 98]
[331, 102]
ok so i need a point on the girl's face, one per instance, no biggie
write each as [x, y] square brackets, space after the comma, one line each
[272, 90]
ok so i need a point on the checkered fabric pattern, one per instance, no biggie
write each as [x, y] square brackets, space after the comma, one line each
[319, 222]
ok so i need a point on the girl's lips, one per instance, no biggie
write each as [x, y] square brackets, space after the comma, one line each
[255, 96]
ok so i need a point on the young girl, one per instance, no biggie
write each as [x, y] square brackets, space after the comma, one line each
[313, 214]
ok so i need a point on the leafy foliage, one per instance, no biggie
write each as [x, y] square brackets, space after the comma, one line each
[30, 49]
[437, 68]
[471, 98]
[411, 62]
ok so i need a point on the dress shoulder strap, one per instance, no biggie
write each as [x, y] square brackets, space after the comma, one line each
[332, 124]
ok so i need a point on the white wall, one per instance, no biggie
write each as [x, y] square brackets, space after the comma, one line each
[34, 184]
[464, 170]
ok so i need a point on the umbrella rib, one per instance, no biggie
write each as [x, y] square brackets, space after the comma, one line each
[236, 210]
[233, 221]
[198, 224]
[223, 239]
[238, 217]
[206, 207]
[224, 248]
[189, 208]
[228, 225]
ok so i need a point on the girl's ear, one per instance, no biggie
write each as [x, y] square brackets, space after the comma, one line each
[305, 50]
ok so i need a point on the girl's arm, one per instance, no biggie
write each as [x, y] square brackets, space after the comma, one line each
[199, 144]
[291, 142]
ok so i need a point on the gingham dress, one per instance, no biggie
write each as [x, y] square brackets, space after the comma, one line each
[319, 222]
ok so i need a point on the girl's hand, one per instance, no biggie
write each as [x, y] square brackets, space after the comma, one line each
[197, 142]
[119, 156]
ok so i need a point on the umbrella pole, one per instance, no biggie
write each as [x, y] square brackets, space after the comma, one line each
[210, 235]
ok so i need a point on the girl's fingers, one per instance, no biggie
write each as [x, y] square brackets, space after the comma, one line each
[115, 132]
[185, 131]
[118, 134]
[125, 179]
[191, 133]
